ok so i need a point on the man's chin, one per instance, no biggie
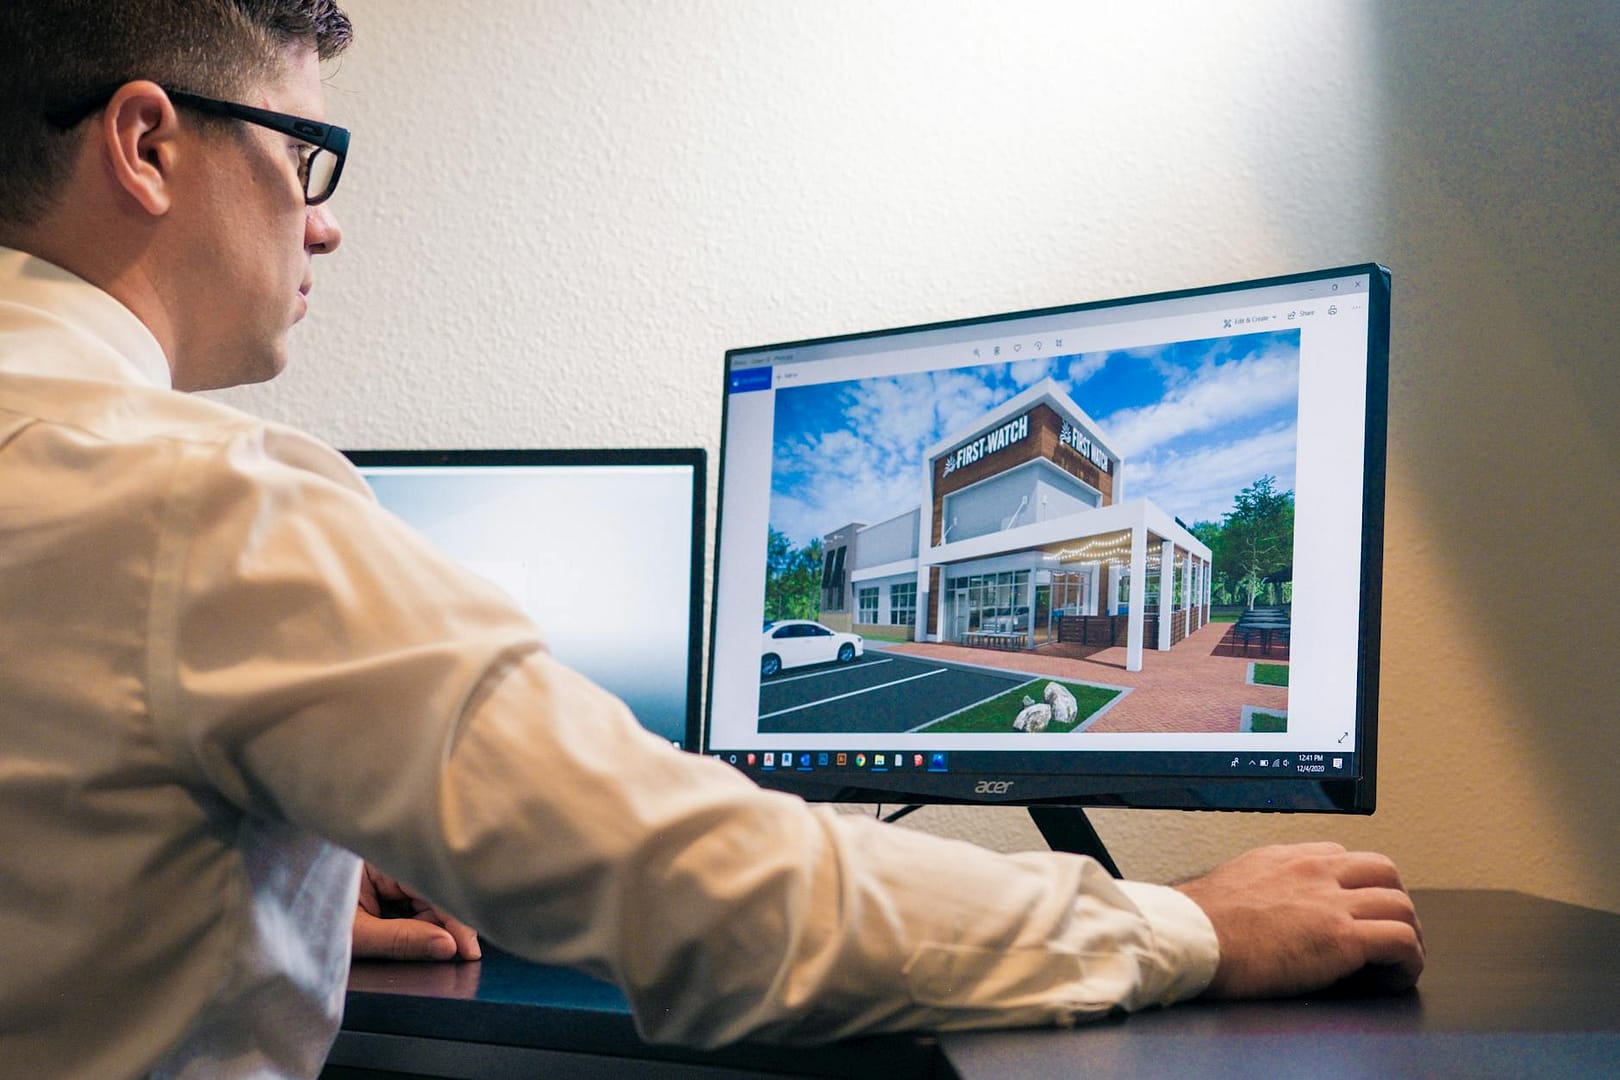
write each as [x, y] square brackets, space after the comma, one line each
[223, 376]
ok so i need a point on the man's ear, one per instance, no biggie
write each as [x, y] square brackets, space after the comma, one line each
[139, 133]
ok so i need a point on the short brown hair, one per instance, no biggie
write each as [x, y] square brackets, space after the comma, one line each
[55, 51]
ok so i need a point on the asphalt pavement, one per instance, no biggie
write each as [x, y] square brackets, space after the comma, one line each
[876, 694]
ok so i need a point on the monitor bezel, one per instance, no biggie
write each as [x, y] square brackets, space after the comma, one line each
[1353, 795]
[694, 458]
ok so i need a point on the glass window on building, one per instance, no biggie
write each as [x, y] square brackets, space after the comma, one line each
[1070, 591]
[1059, 495]
[903, 604]
[867, 602]
[1023, 495]
[832, 579]
[989, 603]
[995, 505]
[1150, 590]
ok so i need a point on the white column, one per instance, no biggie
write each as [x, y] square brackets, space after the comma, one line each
[1167, 592]
[1029, 602]
[924, 599]
[1187, 596]
[1138, 598]
[925, 546]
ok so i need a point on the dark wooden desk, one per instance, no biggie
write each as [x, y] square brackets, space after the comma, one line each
[1516, 986]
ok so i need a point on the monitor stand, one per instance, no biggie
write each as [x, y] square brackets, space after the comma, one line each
[1066, 828]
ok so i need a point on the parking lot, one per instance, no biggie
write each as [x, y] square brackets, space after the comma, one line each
[879, 693]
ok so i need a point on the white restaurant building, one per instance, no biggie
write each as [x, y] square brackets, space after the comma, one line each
[1022, 537]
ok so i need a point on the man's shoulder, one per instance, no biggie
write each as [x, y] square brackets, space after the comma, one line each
[268, 451]
[118, 411]
[115, 416]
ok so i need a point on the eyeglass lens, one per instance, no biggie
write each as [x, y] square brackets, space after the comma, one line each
[319, 168]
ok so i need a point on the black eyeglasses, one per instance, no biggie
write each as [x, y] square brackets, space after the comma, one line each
[318, 170]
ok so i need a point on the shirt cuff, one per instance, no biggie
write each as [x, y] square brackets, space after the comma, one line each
[1184, 942]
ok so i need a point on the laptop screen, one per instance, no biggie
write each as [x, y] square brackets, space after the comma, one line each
[601, 548]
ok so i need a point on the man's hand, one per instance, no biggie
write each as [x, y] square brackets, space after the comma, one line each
[393, 923]
[1300, 917]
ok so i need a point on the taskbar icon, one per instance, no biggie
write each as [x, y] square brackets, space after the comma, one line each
[867, 760]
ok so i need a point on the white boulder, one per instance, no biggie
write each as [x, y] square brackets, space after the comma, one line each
[1033, 718]
[1064, 707]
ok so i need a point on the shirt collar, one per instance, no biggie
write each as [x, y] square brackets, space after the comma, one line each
[33, 290]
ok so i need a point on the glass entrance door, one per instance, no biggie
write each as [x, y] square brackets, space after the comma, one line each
[1041, 629]
[1071, 595]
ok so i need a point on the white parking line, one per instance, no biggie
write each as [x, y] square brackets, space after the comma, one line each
[854, 693]
[830, 671]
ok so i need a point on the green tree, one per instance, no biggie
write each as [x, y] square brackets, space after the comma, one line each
[792, 578]
[1257, 537]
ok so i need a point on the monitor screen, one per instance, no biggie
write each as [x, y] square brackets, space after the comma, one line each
[602, 548]
[1120, 553]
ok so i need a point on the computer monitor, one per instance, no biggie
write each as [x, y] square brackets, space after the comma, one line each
[602, 548]
[1121, 553]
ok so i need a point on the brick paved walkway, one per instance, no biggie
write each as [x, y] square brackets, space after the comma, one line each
[1197, 686]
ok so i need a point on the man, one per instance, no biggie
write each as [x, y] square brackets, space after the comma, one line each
[223, 668]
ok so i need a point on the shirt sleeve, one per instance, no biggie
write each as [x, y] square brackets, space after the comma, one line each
[328, 668]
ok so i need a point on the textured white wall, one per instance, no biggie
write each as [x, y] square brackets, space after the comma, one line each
[559, 215]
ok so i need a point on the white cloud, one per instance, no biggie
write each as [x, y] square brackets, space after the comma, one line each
[1026, 373]
[959, 400]
[1084, 367]
[1216, 395]
[1201, 486]
[857, 472]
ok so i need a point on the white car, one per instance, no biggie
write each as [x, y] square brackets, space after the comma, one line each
[797, 642]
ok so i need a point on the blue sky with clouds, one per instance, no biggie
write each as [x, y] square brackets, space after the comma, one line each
[1196, 421]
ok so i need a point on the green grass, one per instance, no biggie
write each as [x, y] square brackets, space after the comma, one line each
[1270, 674]
[997, 714]
[884, 633]
[1268, 722]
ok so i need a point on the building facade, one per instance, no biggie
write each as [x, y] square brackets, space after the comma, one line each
[1023, 537]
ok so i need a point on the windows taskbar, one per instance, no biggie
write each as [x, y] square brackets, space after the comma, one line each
[1249, 764]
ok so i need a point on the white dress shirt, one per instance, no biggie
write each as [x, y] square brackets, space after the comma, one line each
[223, 668]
